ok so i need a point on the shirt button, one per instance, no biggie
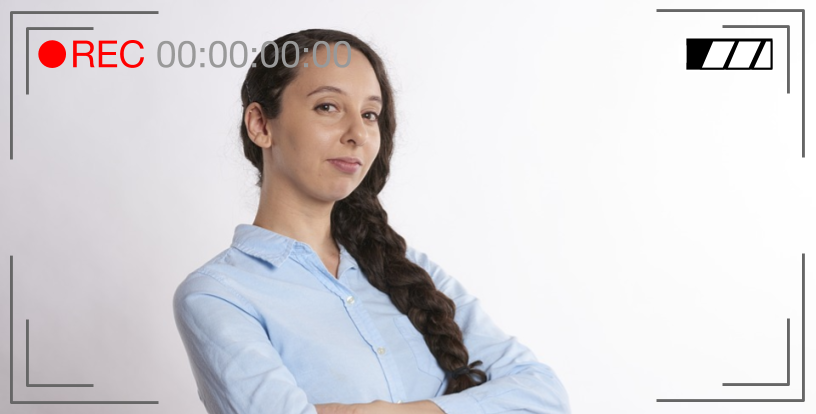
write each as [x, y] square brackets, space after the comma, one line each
[350, 300]
[399, 401]
[380, 350]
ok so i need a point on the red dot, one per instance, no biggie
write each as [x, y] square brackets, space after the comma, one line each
[51, 54]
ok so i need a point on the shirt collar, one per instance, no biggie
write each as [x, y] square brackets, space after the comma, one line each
[275, 248]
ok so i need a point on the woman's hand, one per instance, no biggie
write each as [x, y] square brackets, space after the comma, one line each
[336, 408]
[380, 407]
[374, 407]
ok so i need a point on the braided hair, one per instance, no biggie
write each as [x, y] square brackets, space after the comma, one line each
[359, 222]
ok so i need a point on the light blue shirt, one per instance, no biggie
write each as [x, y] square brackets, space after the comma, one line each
[268, 329]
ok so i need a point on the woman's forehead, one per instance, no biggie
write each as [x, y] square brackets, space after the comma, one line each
[356, 79]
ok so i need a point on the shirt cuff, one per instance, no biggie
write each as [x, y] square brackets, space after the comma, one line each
[459, 403]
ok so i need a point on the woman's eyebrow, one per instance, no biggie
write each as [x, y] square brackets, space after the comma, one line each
[328, 88]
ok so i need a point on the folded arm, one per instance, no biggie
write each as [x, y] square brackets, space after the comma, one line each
[517, 381]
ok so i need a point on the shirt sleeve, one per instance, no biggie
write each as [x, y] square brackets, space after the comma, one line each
[517, 381]
[236, 368]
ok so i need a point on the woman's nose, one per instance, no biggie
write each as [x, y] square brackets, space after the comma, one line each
[357, 131]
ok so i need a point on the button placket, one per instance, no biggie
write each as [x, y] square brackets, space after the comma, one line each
[362, 320]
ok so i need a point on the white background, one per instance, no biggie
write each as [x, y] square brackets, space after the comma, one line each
[639, 226]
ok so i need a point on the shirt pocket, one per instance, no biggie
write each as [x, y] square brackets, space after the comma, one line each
[425, 360]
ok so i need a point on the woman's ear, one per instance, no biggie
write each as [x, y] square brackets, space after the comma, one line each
[259, 128]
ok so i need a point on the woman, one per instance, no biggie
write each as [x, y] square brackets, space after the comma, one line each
[319, 306]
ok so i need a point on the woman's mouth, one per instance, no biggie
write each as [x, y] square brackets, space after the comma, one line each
[345, 166]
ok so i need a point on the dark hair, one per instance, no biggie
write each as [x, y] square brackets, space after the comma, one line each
[359, 222]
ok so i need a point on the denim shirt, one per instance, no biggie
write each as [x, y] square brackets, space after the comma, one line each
[268, 329]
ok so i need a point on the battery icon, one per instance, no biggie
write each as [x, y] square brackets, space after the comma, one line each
[722, 54]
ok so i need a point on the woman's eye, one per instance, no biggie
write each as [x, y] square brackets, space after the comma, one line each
[322, 106]
[376, 116]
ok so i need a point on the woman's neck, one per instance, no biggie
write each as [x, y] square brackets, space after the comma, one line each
[304, 221]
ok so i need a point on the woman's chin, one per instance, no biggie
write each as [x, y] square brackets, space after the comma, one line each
[339, 193]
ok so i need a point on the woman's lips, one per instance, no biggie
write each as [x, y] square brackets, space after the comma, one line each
[345, 166]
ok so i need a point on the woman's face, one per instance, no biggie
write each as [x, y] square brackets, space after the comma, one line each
[327, 113]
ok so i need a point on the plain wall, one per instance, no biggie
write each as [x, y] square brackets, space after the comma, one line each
[638, 225]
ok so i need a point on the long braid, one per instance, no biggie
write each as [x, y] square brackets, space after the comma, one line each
[360, 223]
